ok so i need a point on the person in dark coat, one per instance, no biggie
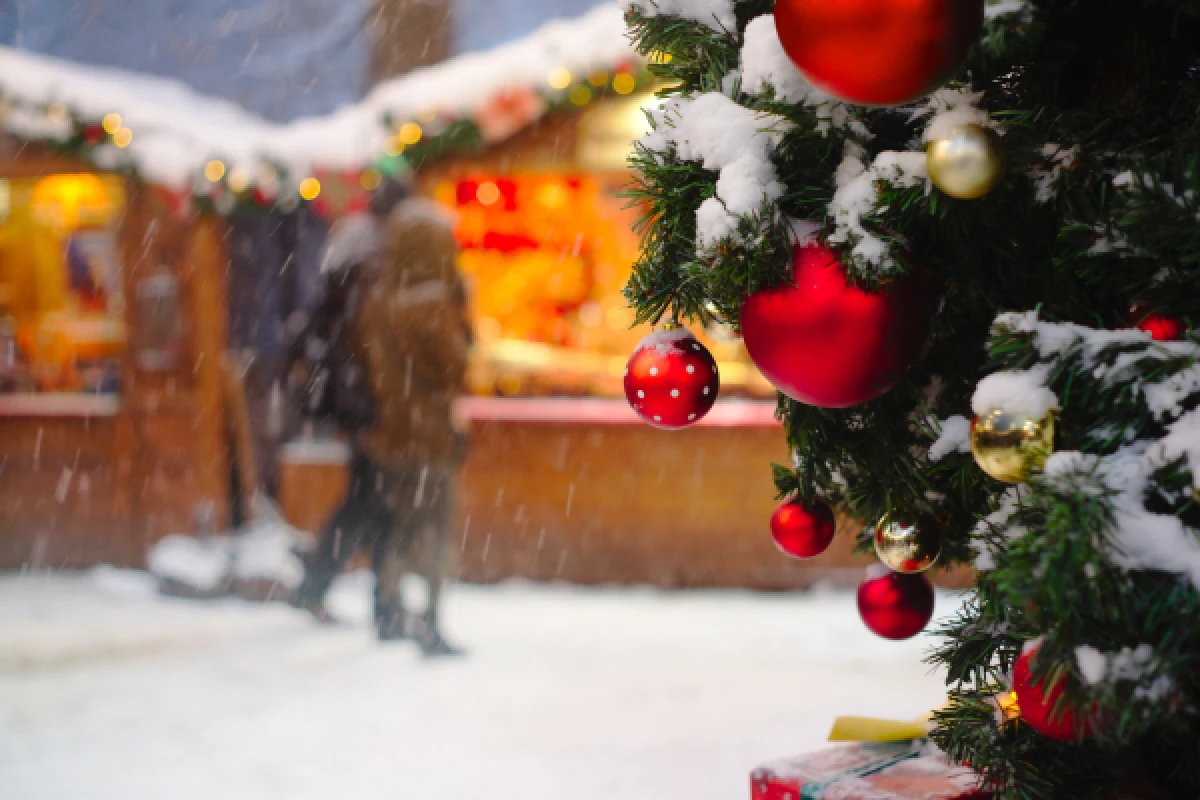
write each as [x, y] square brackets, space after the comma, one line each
[414, 336]
[389, 365]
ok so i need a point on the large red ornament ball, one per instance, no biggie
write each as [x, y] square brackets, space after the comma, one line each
[878, 52]
[803, 530]
[1037, 705]
[894, 605]
[826, 343]
[671, 379]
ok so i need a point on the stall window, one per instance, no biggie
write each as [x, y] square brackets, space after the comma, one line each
[62, 305]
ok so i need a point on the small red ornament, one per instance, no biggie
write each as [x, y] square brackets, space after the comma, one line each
[1162, 329]
[894, 605]
[803, 531]
[829, 344]
[671, 379]
[878, 52]
[93, 134]
[1037, 705]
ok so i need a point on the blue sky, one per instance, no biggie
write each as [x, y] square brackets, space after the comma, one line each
[281, 58]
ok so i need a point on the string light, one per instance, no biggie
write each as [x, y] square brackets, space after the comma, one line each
[57, 112]
[112, 123]
[394, 146]
[123, 137]
[598, 78]
[239, 179]
[580, 95]
[410, 133]
[310, 188]
[488, 193]
[214, 170]
[560, 78]
[624, 83]
[371, 179]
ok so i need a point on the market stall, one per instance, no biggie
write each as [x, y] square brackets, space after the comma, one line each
[110, 334]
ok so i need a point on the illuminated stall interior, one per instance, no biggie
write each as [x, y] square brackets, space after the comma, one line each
[62, 304]
[548, 243]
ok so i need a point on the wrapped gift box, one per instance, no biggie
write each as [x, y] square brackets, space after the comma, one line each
[911, 770]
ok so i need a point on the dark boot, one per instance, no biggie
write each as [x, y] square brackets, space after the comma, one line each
[431, 641]
[392, 623]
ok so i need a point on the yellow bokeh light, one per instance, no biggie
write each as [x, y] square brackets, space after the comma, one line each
[552, 195]
[624, 83]
[112, 123]
[371, 179]
[559, 78]
[410, 133]
[123, 137]
[598, 78]
[57, 112]
[488, 193]
[580, 95]
[214, 170]
[310, 188]
[394, 146]
[239, 179]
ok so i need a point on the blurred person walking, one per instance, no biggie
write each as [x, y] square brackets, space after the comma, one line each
[399, 346]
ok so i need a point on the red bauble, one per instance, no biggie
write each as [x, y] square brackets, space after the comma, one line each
[803, 531]
[1037, 705]
[93, 134]
[1162, 329]
[671, 379]
[826, 343]
[894, 605]
[878, 52]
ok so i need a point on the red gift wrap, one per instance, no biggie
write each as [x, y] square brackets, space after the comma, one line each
[911, 770]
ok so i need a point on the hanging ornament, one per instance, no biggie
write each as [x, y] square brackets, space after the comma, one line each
[894, 605]
[94, 134]
[829, 344]
[803, 530]
[1037, 705]
[908, 545]
[878, 53]
[1160, 327]
[1009, 447]
[671, 379]
[967, 163]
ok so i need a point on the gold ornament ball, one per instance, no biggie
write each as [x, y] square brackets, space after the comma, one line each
[967, 163]
[1009, 447]
[907, 545]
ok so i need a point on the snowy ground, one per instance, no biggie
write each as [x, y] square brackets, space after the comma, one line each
[108, 691]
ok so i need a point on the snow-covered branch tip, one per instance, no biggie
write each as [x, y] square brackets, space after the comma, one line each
[858, 197]
[737, 142]
[767, 69]
[715, 14]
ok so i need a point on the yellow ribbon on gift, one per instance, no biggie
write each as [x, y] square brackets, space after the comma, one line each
[866, 729]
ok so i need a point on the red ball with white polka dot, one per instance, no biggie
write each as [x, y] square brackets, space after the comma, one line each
[671, 379]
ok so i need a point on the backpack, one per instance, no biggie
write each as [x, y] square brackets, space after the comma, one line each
[325, 378]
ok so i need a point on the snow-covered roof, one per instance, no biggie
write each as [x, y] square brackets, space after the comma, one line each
[177, 131]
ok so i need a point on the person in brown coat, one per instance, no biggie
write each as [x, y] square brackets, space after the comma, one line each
[411, 336]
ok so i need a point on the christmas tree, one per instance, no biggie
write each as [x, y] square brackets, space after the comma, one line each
[963, 240]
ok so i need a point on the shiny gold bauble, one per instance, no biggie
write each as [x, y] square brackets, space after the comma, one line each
[1009, 447]
[966, 164]
[908, 545]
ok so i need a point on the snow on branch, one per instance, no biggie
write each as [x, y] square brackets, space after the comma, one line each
[767, 68]
[857, 197]
[715, 14]
[950, 108]
[729, 138]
